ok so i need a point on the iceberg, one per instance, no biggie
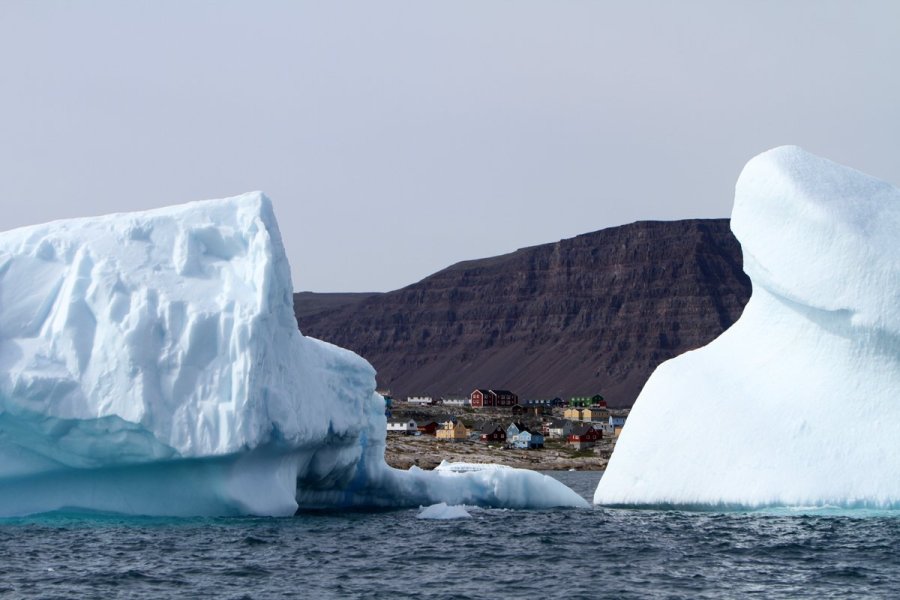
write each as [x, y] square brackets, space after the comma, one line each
[442, 512]
[150, 363]
[795, 404]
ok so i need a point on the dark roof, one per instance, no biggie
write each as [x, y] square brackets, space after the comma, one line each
[482, 390]
[503, 392]
[581, 430]
[489, 428]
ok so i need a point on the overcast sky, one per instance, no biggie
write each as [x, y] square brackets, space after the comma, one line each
[396, 138]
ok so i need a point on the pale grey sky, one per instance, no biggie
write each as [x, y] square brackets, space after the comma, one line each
[398, 137]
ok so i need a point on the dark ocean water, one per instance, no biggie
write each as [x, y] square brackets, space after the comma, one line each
[598, 553]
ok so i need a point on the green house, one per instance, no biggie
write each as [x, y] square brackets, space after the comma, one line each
[585, 401]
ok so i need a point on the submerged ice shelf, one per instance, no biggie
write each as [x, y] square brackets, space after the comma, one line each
[795, 404]
[150, 363]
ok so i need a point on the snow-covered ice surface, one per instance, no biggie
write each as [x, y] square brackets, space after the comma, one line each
[150, 363]
[797, 403]
[442, 512]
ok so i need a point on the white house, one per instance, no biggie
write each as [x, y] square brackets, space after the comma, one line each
[405, 427]
[559, 429]
[420, 400]
[466, 401]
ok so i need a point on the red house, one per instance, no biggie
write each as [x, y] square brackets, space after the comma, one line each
[584, 436]
[429, 428]
[481, 398]
[491, 432]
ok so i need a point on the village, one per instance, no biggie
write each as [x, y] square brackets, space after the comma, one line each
[495, 426]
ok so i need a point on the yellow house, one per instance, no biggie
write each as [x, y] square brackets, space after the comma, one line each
[453, 432]
[573, 414]
[595, 414]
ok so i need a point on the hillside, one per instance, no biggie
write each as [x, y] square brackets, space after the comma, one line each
[594, 313]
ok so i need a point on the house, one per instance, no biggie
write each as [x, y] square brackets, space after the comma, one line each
[407, 427]
[545, 427]
[584, 401]
[616, 424]
[457, 401]
[453, 432]
[584, 436]
[514, 428]
[444, 419]
[492, 432]
[481, 398]
[429, 428]
[528, 440]
[573, 414]
[420, 400]
[595, 414]
[559, 428]
[539, 407]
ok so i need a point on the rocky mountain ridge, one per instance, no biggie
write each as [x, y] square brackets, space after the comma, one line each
[593, 313]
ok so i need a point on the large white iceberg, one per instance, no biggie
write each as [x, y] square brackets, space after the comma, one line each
[797, 403]
[150, 363]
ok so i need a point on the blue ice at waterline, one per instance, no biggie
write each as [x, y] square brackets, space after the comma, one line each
[150, 364]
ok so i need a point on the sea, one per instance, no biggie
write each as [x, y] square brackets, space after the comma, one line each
[571, 554]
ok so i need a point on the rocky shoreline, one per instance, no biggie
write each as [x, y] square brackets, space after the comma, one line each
[427, 452]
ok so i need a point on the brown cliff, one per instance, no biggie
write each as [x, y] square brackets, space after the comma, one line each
[595, 313]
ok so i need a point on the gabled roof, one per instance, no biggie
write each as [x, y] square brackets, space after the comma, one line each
[483, 391]
[489, 428]
[503, 392]
[582, 430]
[558, 423]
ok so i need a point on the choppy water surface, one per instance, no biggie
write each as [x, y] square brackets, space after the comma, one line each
[497, 553]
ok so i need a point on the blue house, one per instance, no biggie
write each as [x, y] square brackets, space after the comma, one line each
[528, 440]
[514, 429]
[616, 421]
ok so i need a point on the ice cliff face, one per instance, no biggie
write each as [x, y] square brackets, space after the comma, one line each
[151, 364]
[796, 404]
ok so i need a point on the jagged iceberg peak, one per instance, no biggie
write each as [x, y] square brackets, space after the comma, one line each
[795, 404]
[150, 363]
